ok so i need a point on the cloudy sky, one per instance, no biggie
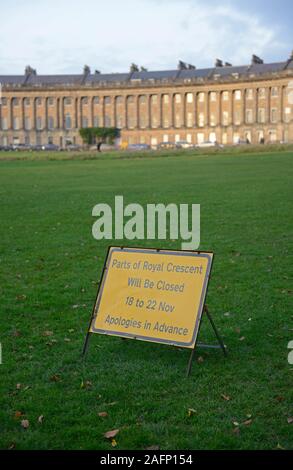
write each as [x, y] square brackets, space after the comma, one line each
[60, 36]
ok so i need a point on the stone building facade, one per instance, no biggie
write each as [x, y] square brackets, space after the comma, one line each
[225, 104]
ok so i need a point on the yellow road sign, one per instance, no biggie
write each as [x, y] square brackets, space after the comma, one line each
[152, 295]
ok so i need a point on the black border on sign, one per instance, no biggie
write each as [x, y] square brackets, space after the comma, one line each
[112, 249]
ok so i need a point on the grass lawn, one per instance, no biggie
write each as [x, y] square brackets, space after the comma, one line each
[50, 268]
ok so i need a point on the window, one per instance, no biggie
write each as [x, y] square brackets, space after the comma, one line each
[189, 120]
[107, 100]
[225, 119]
[16, 123]
[274, 115]
[237, 117]
[225, 96]
[273, 136]
[189, 98]
[142, 122]
[213, 96]
[130, 122]
[107, 121]
[50, 101]
[212, 119]
[166, 99]
[119, 100]
[142, 99]
[67, 101]
[249, 116]
[189, 138]
[224, 138]
[166, 122]
[27, 123]
[68, 121]
[177, 120]
[38, 101]
[50, 122]
[85, 122]
[201, 97]
[165, 138]
[236, 138]
[27, 101]
[96, 121]
[96, 100]
[274, 91]
[177, 98]
[84, 100]
[237, 95]
[154, 99]
[3, 101]
[15, 102]
[200, 138]
[177, 138]
[119, 121]
[249, 94]
[261, 92]
[287, 114]
[4, 124]
[201, 119]
[261, 115]
[50, 140]
[39, 123]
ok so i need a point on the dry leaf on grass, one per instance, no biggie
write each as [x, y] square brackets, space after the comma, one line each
[113, 443]
[18, 414]
[247, 422]
[103, 414]
[40, 419]
[225, 397]
[48, 333]
[191, 412]
[55, 378]
[111, 434]
[290, 420]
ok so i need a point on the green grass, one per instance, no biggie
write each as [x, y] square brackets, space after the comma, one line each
[50, 267]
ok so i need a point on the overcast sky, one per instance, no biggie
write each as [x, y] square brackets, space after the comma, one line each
[60, 36]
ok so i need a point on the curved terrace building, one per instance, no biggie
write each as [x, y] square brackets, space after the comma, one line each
[225, 104]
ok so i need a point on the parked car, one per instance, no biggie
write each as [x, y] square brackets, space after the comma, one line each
[183, 144]
[74, 148]
[166, 145]
[50, 147]
[208, 143]
[138, 147]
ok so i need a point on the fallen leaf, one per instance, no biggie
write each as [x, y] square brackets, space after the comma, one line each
[235, 423]
[225, 397]
[237, 330]
[290, 420]
[200, 359]
[247, 422]
[236, 431]
[55, 378]
[18, 386]
[18, 414]
[111, 434]
[191, 412]
[103, 414]
[113, 443]
[242, 338]
[40, 419]
[279, 398]
[25, 423]
[48, 333]
[112, 403]
[11, 446]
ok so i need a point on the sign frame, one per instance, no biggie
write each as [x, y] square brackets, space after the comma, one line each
[201, 309]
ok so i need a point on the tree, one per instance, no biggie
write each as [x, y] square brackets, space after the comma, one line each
[107, 135]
